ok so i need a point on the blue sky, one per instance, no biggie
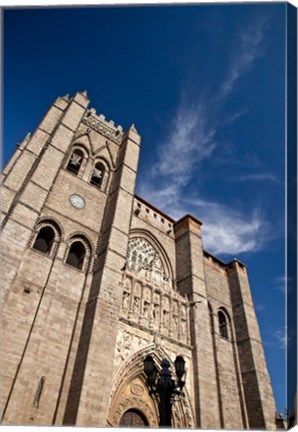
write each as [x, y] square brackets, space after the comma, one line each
[205, 87]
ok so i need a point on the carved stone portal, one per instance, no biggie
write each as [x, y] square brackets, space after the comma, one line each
[133, 396]
[130, 394]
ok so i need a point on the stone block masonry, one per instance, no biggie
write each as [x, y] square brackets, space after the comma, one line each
[94, 278]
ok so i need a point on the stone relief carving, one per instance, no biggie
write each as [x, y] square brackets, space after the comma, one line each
[183, 331]
[174, 329]
[137, 389]
[125, 404]
[130, 391]
[127, 344]
[177, 419]
[148, 297]
[123, 345]
[165, 313]
[148, 306]
[189, 417]
[125, 301]
[165, 319]
[146, 312]
[135, 309]
[182, 414]
[100, 126]
[155, 313]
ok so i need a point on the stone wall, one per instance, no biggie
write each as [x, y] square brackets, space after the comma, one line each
[74, 339]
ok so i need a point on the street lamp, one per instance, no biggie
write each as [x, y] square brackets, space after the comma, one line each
[163, 386]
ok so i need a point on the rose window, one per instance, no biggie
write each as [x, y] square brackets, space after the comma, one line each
[141, 255]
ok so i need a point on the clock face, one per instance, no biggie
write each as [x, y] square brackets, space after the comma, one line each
[77, 201]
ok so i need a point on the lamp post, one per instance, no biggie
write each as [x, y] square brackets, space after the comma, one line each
[164, 386]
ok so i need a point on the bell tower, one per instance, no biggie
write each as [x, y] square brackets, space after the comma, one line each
[67, 195]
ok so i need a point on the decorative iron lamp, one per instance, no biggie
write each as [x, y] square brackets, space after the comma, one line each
[150, 370]
[180, 367]
[163, 386]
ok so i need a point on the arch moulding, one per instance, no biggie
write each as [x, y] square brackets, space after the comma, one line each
[150, 238]
[130, 392]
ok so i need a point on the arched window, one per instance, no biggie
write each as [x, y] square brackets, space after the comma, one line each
[97, 175]
[75, 161]
[44, 240]
[76, 255]
[223, 327]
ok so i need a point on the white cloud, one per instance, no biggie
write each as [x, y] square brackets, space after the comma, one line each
[258, 177]
[244, 58]
[280, 282]
[190, 141]
[281, 337]
[284, 284]
[237, 237]
[164, 197]
[284, 337]
[260, 307]
[227, 231]
[232, 118]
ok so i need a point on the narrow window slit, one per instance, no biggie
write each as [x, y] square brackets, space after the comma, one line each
[223, 328]
[39, 391]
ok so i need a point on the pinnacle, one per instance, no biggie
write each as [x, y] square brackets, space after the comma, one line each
[133, 128]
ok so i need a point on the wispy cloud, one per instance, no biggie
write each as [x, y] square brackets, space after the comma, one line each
[234, 236]
[281, 337]
[284, 337]
[260, 307]
[190, 140]
[284, 284]
[257, 177]
[228, 231]
[244, 59]
[232, 118]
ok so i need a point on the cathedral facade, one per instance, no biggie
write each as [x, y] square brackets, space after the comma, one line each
[94, 279]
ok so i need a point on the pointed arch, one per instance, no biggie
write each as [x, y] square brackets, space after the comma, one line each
[111, 156]
[105, 152]
[130, 391]
[84, 144]
[157, 246]
[84, 138]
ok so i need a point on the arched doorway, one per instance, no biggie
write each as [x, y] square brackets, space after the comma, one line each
[133, 418]
[130, 393]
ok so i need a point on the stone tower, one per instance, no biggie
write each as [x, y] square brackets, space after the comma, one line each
[94, 278]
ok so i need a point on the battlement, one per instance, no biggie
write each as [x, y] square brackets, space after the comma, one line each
[99, 123]
[149, 212]
[226, 267]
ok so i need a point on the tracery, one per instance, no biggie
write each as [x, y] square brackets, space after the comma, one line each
[141, 255]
